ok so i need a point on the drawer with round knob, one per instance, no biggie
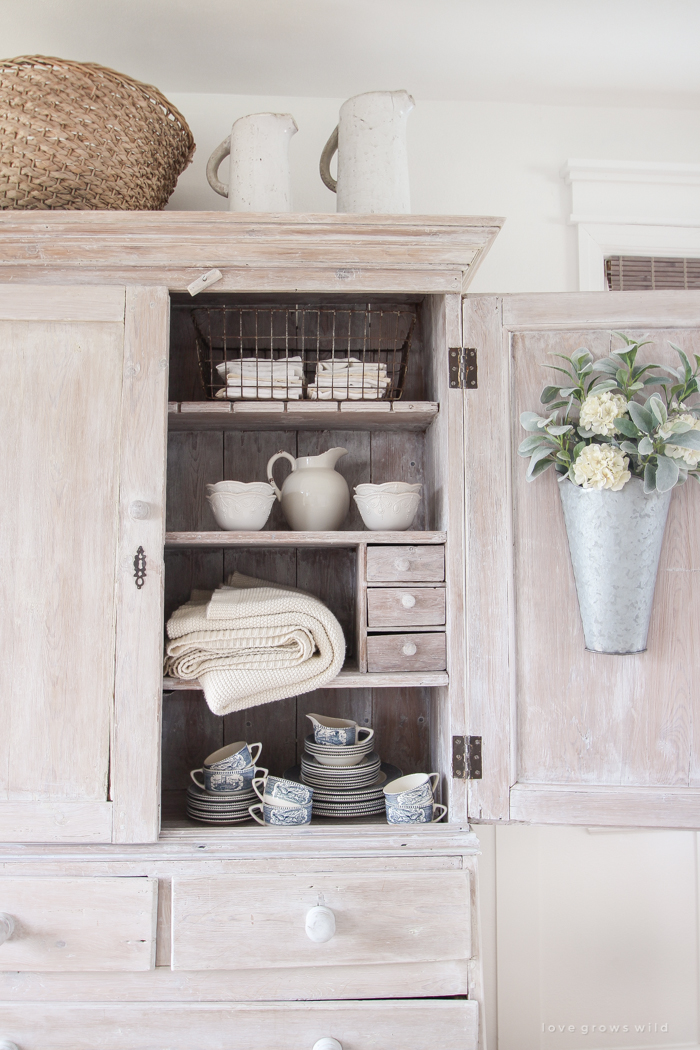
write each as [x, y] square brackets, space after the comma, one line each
[372, 1024]
[77, 924]
[407, 652]
[405, 607]
[240, 923]
[409, 564]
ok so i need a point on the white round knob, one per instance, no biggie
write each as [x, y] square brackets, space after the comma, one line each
[5, 1044]
[409, 649]
[402, 564]
[7, 928]
[320, 924]
[408, 601]
[139, 510]
[327, 1044]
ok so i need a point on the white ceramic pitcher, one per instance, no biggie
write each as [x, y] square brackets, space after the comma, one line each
[372, 161]
[314, 497]
[259, 179]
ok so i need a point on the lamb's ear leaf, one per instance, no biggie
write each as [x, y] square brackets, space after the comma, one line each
[627, 427]
[650, 478]
[658, 409]
[539, 468]
[691, 439]
[528, 446]
[666, 473]
[530, 420]
[642, 417]
[646, 446]
[537, 456]
[548, 394]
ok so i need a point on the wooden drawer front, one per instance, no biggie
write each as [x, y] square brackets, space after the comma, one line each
[232, 922]
[79, 924]
[406, 652]
[405, 606]
[375, 1024]
[405, 564]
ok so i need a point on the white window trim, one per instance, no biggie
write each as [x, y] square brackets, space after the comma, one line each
[632, 208]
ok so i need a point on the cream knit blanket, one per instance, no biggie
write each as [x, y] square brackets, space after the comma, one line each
[251, 642]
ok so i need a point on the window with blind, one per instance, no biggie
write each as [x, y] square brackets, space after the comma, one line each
[634, 273]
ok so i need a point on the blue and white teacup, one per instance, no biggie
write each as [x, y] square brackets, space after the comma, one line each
[281, 816]
[427, 814]
[227, 781]
[339, 732]
[233, 756]
[278, 791]
[416, 789]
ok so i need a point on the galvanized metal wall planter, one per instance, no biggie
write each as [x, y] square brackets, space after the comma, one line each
[615, 542]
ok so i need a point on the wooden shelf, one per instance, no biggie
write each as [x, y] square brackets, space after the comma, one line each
[298, 539]
[350, 679]
[301, 415]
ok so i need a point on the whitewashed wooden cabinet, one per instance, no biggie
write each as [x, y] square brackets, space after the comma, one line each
[109, 443]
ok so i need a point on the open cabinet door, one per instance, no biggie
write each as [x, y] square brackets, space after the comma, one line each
[83, 390]
[570, 736]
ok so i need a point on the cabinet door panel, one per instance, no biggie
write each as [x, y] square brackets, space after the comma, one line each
[572, 736]
[62, 358]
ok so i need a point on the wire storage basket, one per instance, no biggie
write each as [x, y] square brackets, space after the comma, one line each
[77, 135]
[292, 352]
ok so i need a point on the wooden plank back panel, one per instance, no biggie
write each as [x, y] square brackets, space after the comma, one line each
[586, 718]
[374, 1024]
[60, 402]
[79, 924]
[398, 918]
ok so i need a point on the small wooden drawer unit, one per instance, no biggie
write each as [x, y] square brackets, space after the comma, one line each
[405, 607]
[406, 564]
[374, 1024]
[407, 652]
[239, 922]
[86, 924]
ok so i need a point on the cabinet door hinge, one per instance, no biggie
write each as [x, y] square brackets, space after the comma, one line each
[463, 368]
[466, 757]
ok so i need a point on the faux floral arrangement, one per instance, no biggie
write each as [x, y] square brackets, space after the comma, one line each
[606, 434]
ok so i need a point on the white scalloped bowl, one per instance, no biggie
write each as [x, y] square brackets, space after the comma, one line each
[392, 487]
[388, 511]
[245, 511]
[261, 487]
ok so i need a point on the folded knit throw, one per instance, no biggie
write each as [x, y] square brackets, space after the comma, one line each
[251, 642]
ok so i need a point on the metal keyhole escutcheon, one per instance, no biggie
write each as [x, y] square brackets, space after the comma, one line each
[140, 567]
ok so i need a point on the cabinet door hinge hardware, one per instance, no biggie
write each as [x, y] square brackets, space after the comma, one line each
[463, 368]
[466, 757]
[140, 567]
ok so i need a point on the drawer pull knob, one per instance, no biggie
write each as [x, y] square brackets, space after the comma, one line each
[5, 1044]
[409, 649]
[408, 601]
[322, 1044]
[402, 564]
[7, 928]
[320, 924]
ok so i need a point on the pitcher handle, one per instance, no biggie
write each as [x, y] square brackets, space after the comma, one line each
[325, 163]
[270, 464]
[220, 153]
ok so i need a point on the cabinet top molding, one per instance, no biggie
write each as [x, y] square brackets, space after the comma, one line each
[295, 253]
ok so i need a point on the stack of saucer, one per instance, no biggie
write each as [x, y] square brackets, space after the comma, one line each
[339, 763]
[339, 800]
[227, 791]
[228, 808]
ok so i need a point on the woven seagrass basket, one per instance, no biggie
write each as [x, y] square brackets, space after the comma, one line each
[77, 135]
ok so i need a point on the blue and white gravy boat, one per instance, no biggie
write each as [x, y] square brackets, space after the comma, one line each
[339, 732]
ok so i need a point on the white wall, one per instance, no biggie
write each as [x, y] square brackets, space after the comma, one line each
[579, 928]
[466, 158]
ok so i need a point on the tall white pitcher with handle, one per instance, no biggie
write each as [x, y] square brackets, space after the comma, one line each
[372, 160]
[259, 178]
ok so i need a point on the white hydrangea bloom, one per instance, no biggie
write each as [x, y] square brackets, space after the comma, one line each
[599, 412]
[691, 456]
[601, 467]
